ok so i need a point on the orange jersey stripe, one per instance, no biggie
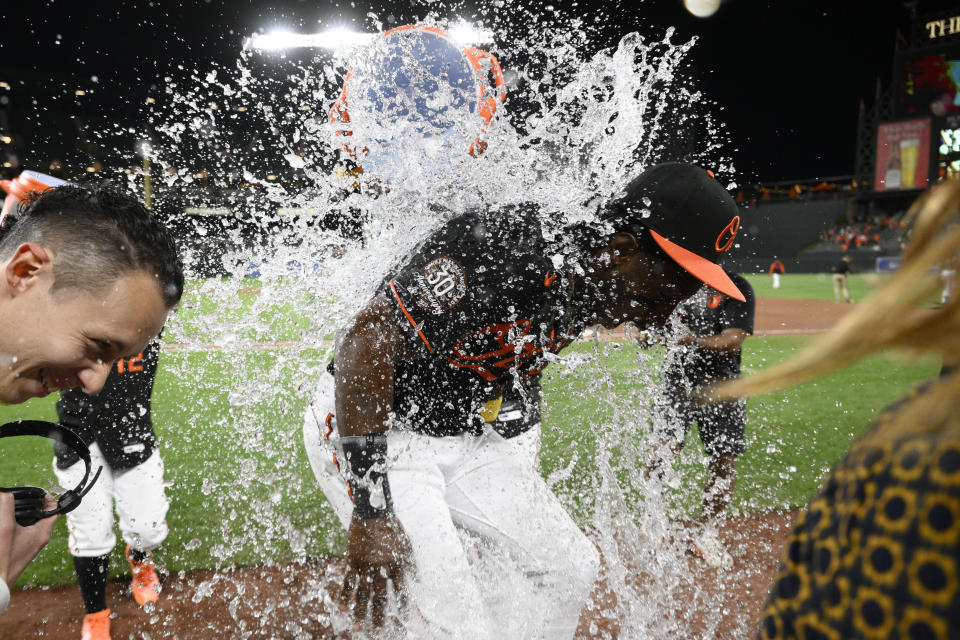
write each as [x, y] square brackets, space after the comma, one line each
[409, 317]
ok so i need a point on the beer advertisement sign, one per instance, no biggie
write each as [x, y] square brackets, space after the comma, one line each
[903, 155]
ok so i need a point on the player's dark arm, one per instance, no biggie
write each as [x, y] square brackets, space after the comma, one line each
[366, 353]
[364, 363]
[727, 341]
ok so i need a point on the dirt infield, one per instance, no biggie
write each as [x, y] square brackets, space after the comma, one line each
[288, 602]
[782, 316]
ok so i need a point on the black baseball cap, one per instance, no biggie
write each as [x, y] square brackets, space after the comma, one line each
[690, 216]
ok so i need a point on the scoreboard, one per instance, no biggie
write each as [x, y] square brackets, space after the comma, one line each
[920, 144]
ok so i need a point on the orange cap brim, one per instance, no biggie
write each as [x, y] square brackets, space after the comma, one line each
[707, 272]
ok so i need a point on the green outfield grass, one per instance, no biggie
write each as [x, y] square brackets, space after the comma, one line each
[226, 312]
[223, 311]
[817, 286]
[242, 492]
[813, 286]
[793, 436]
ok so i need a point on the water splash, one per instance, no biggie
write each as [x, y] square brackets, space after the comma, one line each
[577, 126]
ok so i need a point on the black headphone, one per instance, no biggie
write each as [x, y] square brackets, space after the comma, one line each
[29, 501]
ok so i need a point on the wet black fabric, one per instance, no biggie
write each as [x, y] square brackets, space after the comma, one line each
[118, 419]
[708, 313]
[482, 299]
[520, 410]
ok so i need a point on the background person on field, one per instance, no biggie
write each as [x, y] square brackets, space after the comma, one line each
[875, 552]
[712, 329]
[117, 426]
[841, 273]
[948, 279]
[776, 270]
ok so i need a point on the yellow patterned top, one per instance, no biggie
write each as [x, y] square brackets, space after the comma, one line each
[875, 554]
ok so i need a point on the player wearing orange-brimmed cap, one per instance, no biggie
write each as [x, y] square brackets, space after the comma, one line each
[481, 304]
[689, 215]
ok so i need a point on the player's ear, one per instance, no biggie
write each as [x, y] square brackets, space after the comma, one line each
[29, 263]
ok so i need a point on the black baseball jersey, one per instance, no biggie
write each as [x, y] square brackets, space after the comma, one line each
[841, 267]
[708, 313]
[520, 410]
[483, 299]
[118, 418]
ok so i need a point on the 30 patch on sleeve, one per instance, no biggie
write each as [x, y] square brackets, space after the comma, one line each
[440, 285]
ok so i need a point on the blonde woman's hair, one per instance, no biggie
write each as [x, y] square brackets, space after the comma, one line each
[892, 319]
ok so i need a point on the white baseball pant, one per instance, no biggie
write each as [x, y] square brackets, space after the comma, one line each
[484, 485]
[140, 501]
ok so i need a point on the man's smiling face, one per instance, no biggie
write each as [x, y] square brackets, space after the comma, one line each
[61, 340]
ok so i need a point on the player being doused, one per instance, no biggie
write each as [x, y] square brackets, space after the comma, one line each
[711, 329]
[419, 377]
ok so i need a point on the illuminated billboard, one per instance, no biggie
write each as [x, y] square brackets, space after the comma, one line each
[903, 155]
[929, 83]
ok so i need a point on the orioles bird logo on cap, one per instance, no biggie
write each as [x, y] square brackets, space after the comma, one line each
[723, 242]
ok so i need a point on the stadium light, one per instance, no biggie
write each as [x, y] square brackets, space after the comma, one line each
[341, 38]
[330, 39]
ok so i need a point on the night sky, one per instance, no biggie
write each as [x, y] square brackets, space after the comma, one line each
[786, 77]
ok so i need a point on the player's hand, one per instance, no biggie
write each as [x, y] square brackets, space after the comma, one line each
[20, 545]
[377, 550]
